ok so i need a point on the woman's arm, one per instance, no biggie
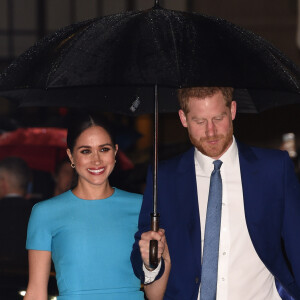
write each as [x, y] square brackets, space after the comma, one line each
[156, 289]
[39, 270]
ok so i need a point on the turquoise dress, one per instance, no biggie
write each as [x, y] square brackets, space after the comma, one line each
[90, 243]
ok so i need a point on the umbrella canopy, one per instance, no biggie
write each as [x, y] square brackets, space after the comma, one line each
[113, 62]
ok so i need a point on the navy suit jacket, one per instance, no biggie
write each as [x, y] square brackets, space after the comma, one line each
[272, 207]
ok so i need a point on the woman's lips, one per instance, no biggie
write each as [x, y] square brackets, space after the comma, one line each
[96, 171]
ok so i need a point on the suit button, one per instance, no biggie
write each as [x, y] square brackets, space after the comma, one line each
[197, 279]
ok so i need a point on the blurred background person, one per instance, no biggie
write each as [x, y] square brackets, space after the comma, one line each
[15, 209]
[289, 144]
[63, 177]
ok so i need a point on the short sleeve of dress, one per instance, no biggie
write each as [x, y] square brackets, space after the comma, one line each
[39, 236]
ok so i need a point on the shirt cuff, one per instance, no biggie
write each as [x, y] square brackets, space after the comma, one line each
[151, 275]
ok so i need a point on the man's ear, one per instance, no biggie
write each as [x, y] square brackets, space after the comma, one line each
[233, 109]
[182, 117]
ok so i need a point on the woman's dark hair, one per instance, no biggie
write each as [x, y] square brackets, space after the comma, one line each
[79, 122]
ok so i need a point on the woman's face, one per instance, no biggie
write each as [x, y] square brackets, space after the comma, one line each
[93, 156]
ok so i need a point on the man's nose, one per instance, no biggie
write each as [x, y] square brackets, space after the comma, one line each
[210, 129]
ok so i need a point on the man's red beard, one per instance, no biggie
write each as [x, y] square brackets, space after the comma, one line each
[214, 151]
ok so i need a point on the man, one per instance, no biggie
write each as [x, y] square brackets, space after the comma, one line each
[14, 215]
[258, 235]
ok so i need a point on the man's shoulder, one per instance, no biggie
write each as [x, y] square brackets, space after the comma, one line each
[54, 203]
[260, 152]
[185, 157]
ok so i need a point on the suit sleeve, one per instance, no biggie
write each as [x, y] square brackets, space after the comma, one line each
[143, 226]
[291, 219]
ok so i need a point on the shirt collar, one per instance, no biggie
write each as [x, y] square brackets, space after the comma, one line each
[205, 163]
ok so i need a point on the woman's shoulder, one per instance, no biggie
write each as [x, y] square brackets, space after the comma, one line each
[132, 199]
[53, 203]
[127, 202]
[128, 195]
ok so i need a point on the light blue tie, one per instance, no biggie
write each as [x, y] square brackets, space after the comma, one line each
[212, 236]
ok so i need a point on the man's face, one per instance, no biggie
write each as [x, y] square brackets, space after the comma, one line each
[209, 124]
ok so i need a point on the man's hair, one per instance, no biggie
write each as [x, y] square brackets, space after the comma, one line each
[17, 170]
[185, 94]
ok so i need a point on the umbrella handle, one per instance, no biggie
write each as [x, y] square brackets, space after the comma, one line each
[153, 248]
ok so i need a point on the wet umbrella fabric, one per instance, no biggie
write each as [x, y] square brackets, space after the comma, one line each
[113, 63]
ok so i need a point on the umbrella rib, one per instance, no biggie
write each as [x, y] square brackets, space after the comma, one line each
[271, 51]
[175, 49]
[64, 43]
[285, 70]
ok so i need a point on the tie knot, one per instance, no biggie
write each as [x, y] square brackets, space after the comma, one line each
[217, 164]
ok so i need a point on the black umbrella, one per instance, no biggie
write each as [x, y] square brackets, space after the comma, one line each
[78, 65]
[122, 62]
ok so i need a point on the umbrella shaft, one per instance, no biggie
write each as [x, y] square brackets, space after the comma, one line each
[155, 157]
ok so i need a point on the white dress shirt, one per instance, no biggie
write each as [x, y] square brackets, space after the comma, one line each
[241, 273]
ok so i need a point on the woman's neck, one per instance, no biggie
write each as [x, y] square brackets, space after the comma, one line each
[93, 192]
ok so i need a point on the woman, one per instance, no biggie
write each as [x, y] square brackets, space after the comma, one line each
[87, 231]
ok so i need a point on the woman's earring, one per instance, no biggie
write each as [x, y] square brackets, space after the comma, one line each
[73, 165]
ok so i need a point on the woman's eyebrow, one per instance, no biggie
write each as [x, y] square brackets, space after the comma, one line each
[87, 146]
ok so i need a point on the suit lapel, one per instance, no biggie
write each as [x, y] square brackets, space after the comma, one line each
[186, 187]
[255, 205]
[250, 183]
[249, 172]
